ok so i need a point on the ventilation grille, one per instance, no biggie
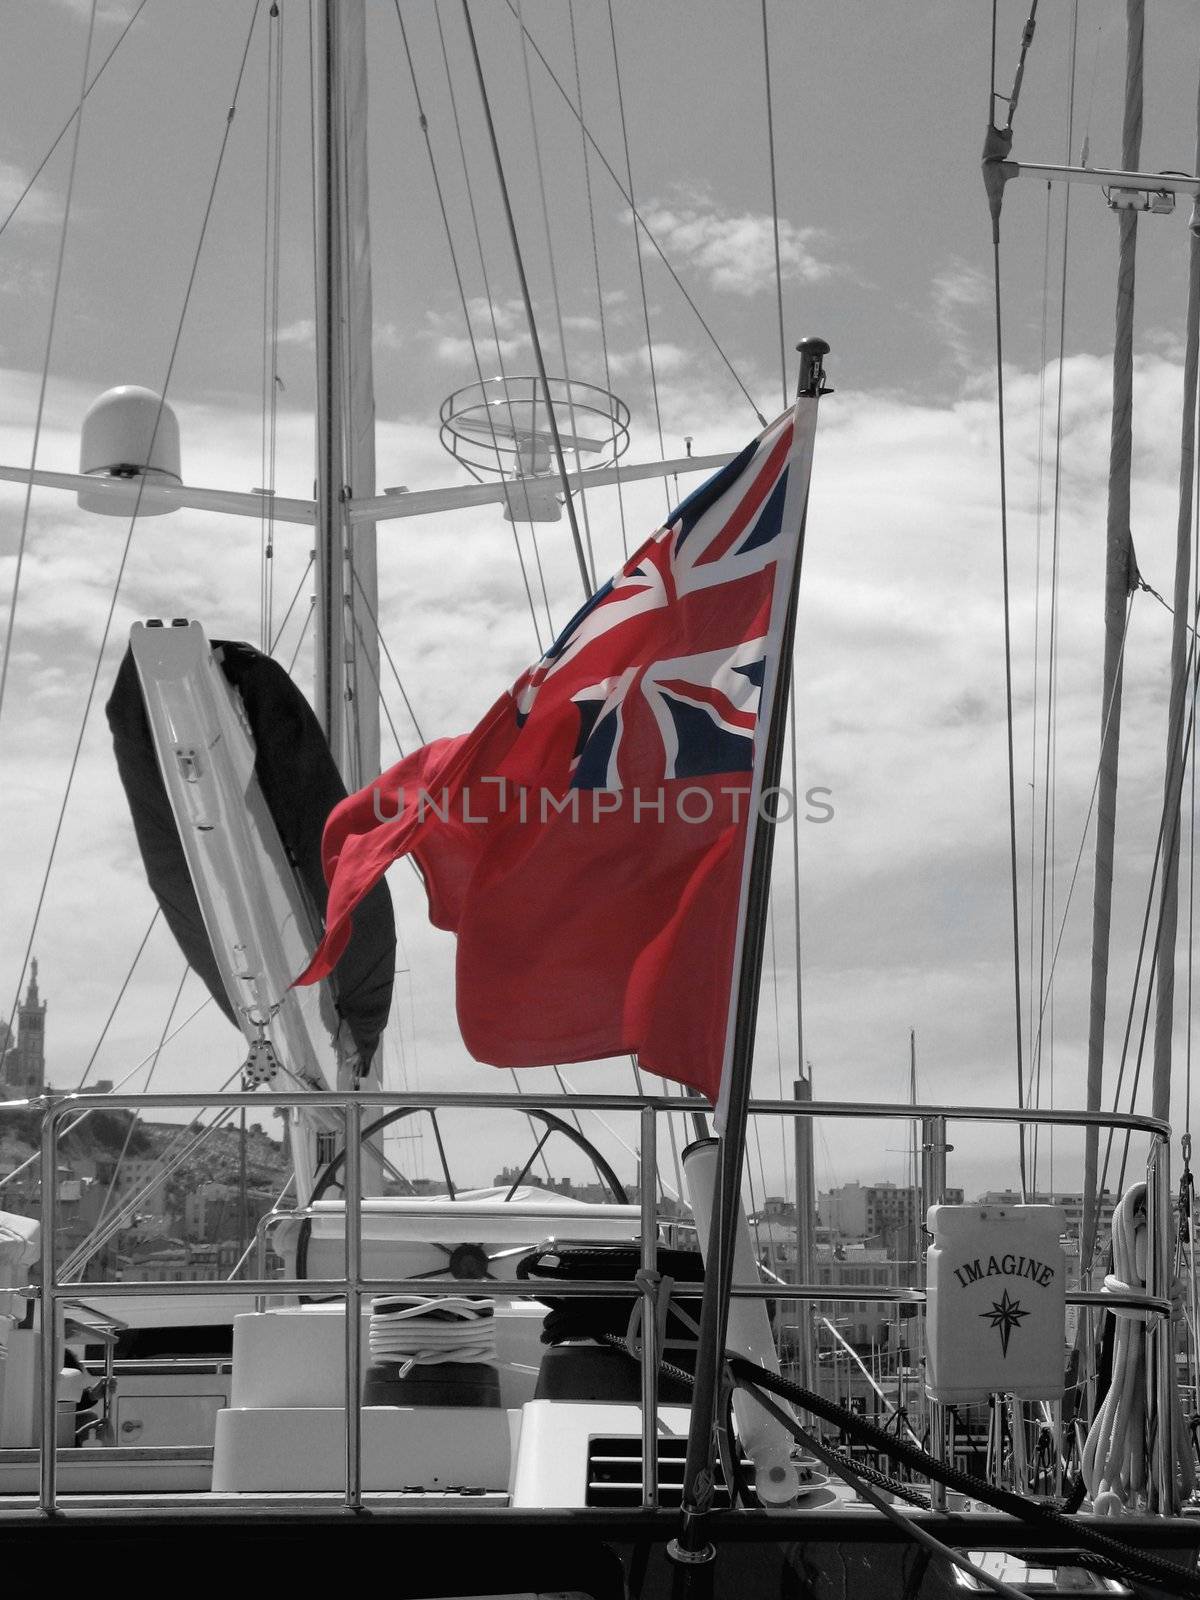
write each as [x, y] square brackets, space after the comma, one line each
[614, 1476]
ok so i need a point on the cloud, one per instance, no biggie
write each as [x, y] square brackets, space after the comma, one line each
[734, 251]
[36, 208]
[109, 13]
[960, 295]
[900, 711]
[301, 332]
[499, 332]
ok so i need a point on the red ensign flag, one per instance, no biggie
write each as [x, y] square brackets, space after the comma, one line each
[586, 843]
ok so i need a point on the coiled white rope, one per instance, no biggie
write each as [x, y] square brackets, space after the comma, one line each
[1115, 1454]
[410, 1330]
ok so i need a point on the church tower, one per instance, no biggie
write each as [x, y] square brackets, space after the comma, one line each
[27, 1061]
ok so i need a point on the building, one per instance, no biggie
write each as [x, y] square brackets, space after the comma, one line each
[217, 1212]
[24, 1058]
[1072, 1204]
[142, 1175]
[883, 1211]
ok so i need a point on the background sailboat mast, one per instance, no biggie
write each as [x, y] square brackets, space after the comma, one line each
[347, 656]
[1164, 1018]
[1120, 578]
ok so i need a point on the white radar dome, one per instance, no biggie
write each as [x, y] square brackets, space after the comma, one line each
[129, 444]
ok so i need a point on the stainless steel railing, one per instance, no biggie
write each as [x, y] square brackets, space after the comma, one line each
[935, 1121]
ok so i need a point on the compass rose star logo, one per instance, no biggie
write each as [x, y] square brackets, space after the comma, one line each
[1006, 1315]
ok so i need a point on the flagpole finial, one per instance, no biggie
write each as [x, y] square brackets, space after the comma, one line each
[812, 373]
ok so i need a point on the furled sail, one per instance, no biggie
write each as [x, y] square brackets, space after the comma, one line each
[300, 785]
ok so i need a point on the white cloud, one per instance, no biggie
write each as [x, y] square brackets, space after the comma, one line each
[36, 208]
[960, 294]
[109, 13]
[499, 332]
[301, 332]
[900, 711]
[735, 251]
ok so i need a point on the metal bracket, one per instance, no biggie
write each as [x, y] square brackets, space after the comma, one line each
[660, 1287]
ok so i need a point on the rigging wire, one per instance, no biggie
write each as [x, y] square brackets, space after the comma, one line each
[641, 222]
[272, 209]
[1011, 107]
[137, 1115]
[1008, 694]
[165, 1169]
[796, 923]
[1187, 1193]
[116, 1089]
[590, 576]
[23, 536]
[1039, 478]
[539, 361]
[1173, 777]
[538, 1150]
[624, 1143]
[91, 1060]
[487, 290]
[383, 705]
[388, 657]
[783, 1151]
[1049, 840]
[253, 1245]
[308, 616]
[490, 301]
[600, 311]
[62, 132]
[795, 817]
[108, 621]
[637, 249]
[274, 642]
[1056, 545]
[1166, 820]
[766, 38]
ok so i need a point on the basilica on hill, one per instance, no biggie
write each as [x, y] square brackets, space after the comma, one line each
[23, 1054]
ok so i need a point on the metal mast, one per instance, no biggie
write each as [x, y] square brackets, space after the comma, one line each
[347, 658]
[347, 655]
[1164, 1019]
[1120, 579]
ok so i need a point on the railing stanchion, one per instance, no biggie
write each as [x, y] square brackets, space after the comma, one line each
[933, 1192]
[48, 1459]
[650, 1350]
[353, 1305]
[1160, 1367]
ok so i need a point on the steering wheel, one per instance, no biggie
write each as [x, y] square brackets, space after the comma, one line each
[467, 1261]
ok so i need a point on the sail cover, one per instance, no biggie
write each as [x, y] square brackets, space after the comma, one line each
[300, 786]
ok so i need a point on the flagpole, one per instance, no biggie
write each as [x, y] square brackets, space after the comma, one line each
[692, 1548]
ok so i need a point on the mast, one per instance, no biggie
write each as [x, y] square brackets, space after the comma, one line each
[1120, 579]
[1164, 1017]
[347, 655]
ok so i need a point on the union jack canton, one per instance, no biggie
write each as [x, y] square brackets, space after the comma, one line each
[694, 673]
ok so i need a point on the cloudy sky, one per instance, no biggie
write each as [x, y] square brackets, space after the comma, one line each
[885, 250]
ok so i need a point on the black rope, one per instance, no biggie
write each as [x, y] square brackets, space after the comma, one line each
[1093, 1545]
[1088, 1546]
